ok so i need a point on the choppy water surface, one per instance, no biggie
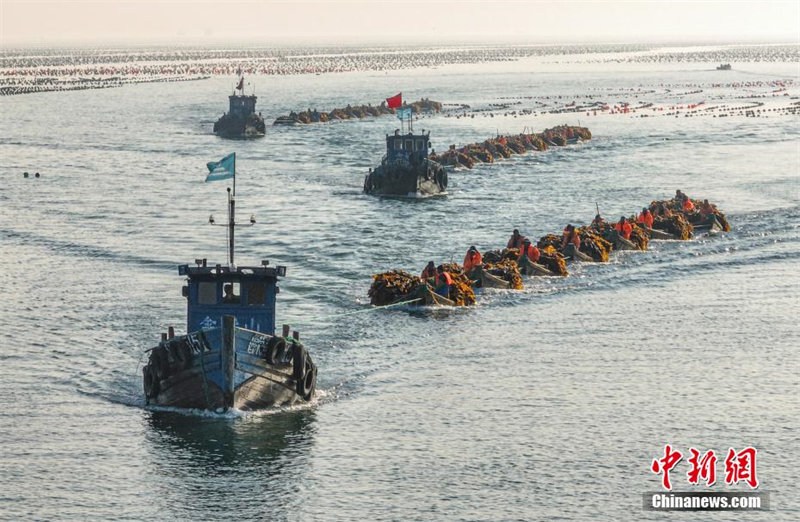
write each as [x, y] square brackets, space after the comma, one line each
[545, 403]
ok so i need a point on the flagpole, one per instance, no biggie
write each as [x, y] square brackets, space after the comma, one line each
[234, 174]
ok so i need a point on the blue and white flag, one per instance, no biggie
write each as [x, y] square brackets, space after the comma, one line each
[222, 169]
[404, 113]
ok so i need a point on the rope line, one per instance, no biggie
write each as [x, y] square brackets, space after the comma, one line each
[373, 309]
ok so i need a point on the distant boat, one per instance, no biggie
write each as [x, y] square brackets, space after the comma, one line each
[406, 170]
[724, 67]
[241, 120]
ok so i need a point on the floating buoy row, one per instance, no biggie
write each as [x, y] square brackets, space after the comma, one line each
[452, 284]
[355, 112]
[11, 87]
[501, 147]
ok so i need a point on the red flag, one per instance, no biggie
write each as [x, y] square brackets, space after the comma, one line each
[395, 101]
[241, 84]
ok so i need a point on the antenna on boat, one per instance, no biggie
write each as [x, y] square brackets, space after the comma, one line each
[231, 224]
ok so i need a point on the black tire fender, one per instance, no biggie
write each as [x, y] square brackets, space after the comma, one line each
[160, 362]
[299, 357]
[150, 382]
[274, 350]
[308, 384]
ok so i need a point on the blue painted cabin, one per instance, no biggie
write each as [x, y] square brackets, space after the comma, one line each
[241, 106]
[411, 147]
[247, 293]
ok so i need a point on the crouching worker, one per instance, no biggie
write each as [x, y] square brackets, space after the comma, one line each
[429, 272]
[624, 228]
[529, 250]
[472, 259]
[442, 282]
[571, 237]
[645, 218]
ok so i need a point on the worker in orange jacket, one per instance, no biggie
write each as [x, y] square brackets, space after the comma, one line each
[516, 240]
[529, 250]
[688, 206]
[429, 272]
[442, 282]
[624, 228]
[706, 208]
[472, 259]
[571, 236]
[645, 218]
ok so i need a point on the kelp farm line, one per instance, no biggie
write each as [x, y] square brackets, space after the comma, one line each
[673, 219]
[505, 146]
[357, 112]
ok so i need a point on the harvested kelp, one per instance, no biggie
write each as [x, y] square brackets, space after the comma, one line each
[553, 260]
[496, 256]
[461, 291]
[501, 147]
[639, 236]
[507, 270]
[389, 287]
[593, 244]
[354, 112]
[676, 224]
[550, 240]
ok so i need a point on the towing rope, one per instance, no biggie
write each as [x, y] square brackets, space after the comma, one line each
[310, 320]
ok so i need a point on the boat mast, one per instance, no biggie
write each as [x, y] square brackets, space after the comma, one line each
[231, 220]
[231, 224]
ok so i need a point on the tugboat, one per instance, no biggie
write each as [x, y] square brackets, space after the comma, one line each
[405, 169]
[232, 357]
[241, 120]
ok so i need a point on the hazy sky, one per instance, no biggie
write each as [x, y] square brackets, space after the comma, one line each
[178, 21]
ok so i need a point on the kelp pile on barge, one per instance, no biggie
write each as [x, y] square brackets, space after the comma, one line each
[596, 242]
[507, 270]
[501, 147]
[358, 112]
[461, 292]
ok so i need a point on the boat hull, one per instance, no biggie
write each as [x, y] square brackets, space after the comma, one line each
[240, 128]
[488, 280]
[707, 223]
[201, 371]
[620, 243]
[573, 254]
[661, 235]
[528, 267]
[402, 179]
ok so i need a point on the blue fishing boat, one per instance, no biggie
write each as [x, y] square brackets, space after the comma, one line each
[231, 357]
[405, 169]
